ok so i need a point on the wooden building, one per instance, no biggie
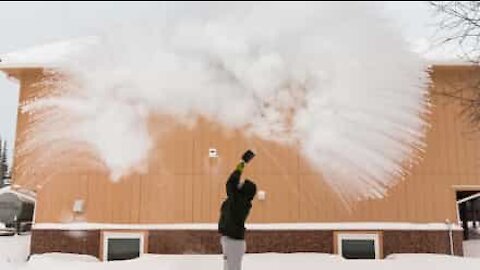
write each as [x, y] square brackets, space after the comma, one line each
[173, 208]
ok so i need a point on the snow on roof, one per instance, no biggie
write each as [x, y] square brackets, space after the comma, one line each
[20, 194]
[47, 55]
[450, 62]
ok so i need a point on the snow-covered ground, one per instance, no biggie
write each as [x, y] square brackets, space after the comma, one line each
[14, 250]
[304, 261]
[471, 248]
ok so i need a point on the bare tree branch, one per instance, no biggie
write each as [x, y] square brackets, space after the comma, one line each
[459, 23]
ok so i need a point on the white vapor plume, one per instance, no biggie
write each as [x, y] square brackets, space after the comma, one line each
[335, 78]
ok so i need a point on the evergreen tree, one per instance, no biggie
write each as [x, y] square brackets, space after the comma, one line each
[4, 174]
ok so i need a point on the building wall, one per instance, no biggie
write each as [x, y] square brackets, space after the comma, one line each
[79, 242]
[208, 242]
[184, 186]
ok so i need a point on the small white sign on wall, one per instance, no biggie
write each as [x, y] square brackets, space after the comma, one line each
[212, 153]
[78, 206]
[261, 195]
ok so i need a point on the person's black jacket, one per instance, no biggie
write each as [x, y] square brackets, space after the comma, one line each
[236, 207]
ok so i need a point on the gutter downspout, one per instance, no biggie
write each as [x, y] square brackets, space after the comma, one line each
[450, 237]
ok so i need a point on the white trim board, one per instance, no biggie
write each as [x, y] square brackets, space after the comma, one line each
[466, 187]
[474, 196]
[372, 226]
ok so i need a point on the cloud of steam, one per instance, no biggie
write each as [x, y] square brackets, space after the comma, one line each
[335, 78]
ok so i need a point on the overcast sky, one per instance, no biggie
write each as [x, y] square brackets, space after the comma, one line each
[25, 24]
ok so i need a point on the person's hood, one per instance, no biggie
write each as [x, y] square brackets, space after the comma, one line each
[249, 189]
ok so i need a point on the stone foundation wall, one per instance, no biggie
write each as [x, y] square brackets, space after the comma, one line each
[207, 242]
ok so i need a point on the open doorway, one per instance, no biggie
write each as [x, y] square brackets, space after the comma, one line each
[468, 203]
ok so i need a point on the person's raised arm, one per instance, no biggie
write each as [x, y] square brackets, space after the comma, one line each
[234, 179]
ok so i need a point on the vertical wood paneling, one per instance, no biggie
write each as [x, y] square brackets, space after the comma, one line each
[182, 184]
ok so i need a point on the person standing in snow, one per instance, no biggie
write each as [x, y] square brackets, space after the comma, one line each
[233, 213]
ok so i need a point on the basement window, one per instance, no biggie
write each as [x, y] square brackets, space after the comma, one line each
[358, 246]
[122, 246]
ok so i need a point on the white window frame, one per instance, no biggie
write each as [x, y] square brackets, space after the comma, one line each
[121, 235]
[359, 236]
[458, 188]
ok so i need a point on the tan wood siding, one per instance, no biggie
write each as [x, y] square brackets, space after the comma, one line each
[183, 185]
